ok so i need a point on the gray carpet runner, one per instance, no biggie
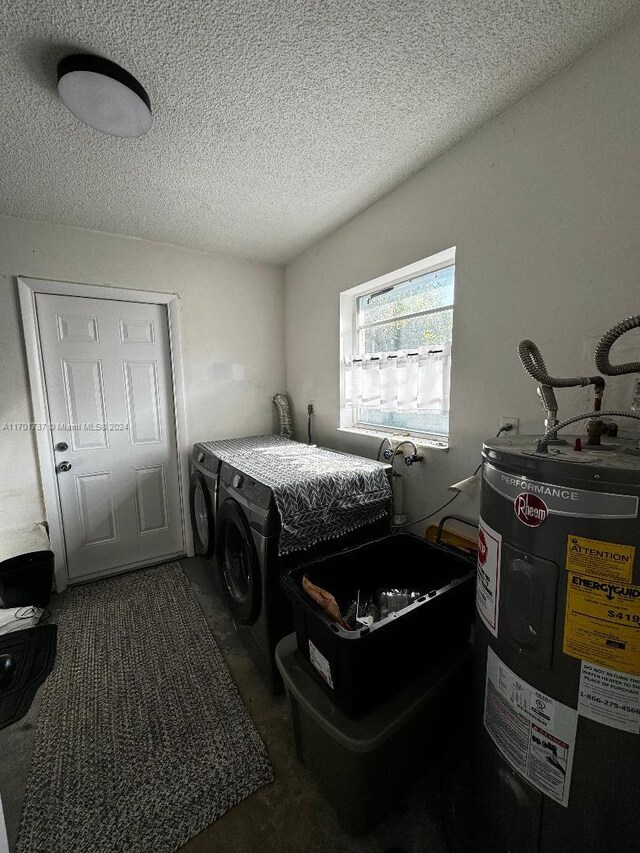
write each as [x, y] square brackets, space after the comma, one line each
[142, 739]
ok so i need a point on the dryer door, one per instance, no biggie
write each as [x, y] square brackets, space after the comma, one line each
[238, 563]
[203, 520]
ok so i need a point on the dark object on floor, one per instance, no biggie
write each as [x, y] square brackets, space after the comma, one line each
[362, 766]
[142, 739]
[361, 668]
[7, 670]
[27, 579]
[27, 659]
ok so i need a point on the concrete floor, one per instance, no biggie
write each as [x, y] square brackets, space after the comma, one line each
[288, 816]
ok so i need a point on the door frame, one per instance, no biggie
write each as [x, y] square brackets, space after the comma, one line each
[27, 290]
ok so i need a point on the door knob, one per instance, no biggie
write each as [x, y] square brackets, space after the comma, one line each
[61, 446]
[64, 466]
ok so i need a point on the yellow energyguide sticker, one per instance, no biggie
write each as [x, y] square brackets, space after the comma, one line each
[604, 559]
[602, 622]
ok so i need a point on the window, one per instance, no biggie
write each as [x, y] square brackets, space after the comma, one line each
[396, 346]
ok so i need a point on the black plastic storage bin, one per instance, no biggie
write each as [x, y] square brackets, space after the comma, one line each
[27, 579]
[361, 668]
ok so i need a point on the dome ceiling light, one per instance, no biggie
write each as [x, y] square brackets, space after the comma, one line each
[103, 95]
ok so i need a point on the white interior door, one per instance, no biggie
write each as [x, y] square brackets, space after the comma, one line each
[107, 371]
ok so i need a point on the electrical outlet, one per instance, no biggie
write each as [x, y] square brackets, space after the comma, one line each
[515, 424]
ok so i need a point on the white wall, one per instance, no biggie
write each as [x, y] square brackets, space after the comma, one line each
[231, 323]
[543, 205]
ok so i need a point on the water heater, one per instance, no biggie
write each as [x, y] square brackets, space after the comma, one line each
[557, 677]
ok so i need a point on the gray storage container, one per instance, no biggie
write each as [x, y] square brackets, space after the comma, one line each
[363, 765]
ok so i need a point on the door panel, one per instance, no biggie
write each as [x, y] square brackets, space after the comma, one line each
[136, 331]
[151, 498]
[109, 389]
[84, 396]
[78, 329]
[96, 507]
[143, 405]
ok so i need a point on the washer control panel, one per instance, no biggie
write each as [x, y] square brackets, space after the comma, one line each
[205, 460]
[251, 490]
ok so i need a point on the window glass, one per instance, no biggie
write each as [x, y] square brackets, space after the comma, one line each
[408, 333]
[433, 290]
[406, 421]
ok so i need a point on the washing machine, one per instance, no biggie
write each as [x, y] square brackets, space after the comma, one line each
[247, 549]
[203, 498]
[247, 532]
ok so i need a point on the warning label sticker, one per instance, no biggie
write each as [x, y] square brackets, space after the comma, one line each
[602, 623]
[534, 733]
[608, 697]
[604, 559]
[320, 663]
[488, 579]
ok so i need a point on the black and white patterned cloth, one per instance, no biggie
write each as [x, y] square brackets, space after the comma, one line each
[320, 494]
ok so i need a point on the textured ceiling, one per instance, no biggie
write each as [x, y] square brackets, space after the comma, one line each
[274, 120]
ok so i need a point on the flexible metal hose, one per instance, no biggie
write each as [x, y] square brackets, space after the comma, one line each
[285, 420]
[543, 443]
[607, 341]
[533, 363]
[548, 398]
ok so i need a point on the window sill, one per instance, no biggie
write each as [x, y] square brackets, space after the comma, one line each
[427, 442]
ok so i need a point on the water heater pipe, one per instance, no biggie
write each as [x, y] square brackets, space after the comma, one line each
[543, 443]
[533, 362]
[607, 341]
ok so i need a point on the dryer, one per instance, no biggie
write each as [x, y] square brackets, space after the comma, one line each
[203, 498]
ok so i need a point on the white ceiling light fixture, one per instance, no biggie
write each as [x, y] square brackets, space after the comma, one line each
[103, 95]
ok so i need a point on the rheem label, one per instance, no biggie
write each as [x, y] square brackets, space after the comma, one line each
[530, 509]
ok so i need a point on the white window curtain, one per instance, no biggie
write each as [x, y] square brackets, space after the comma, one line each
[404, 381]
